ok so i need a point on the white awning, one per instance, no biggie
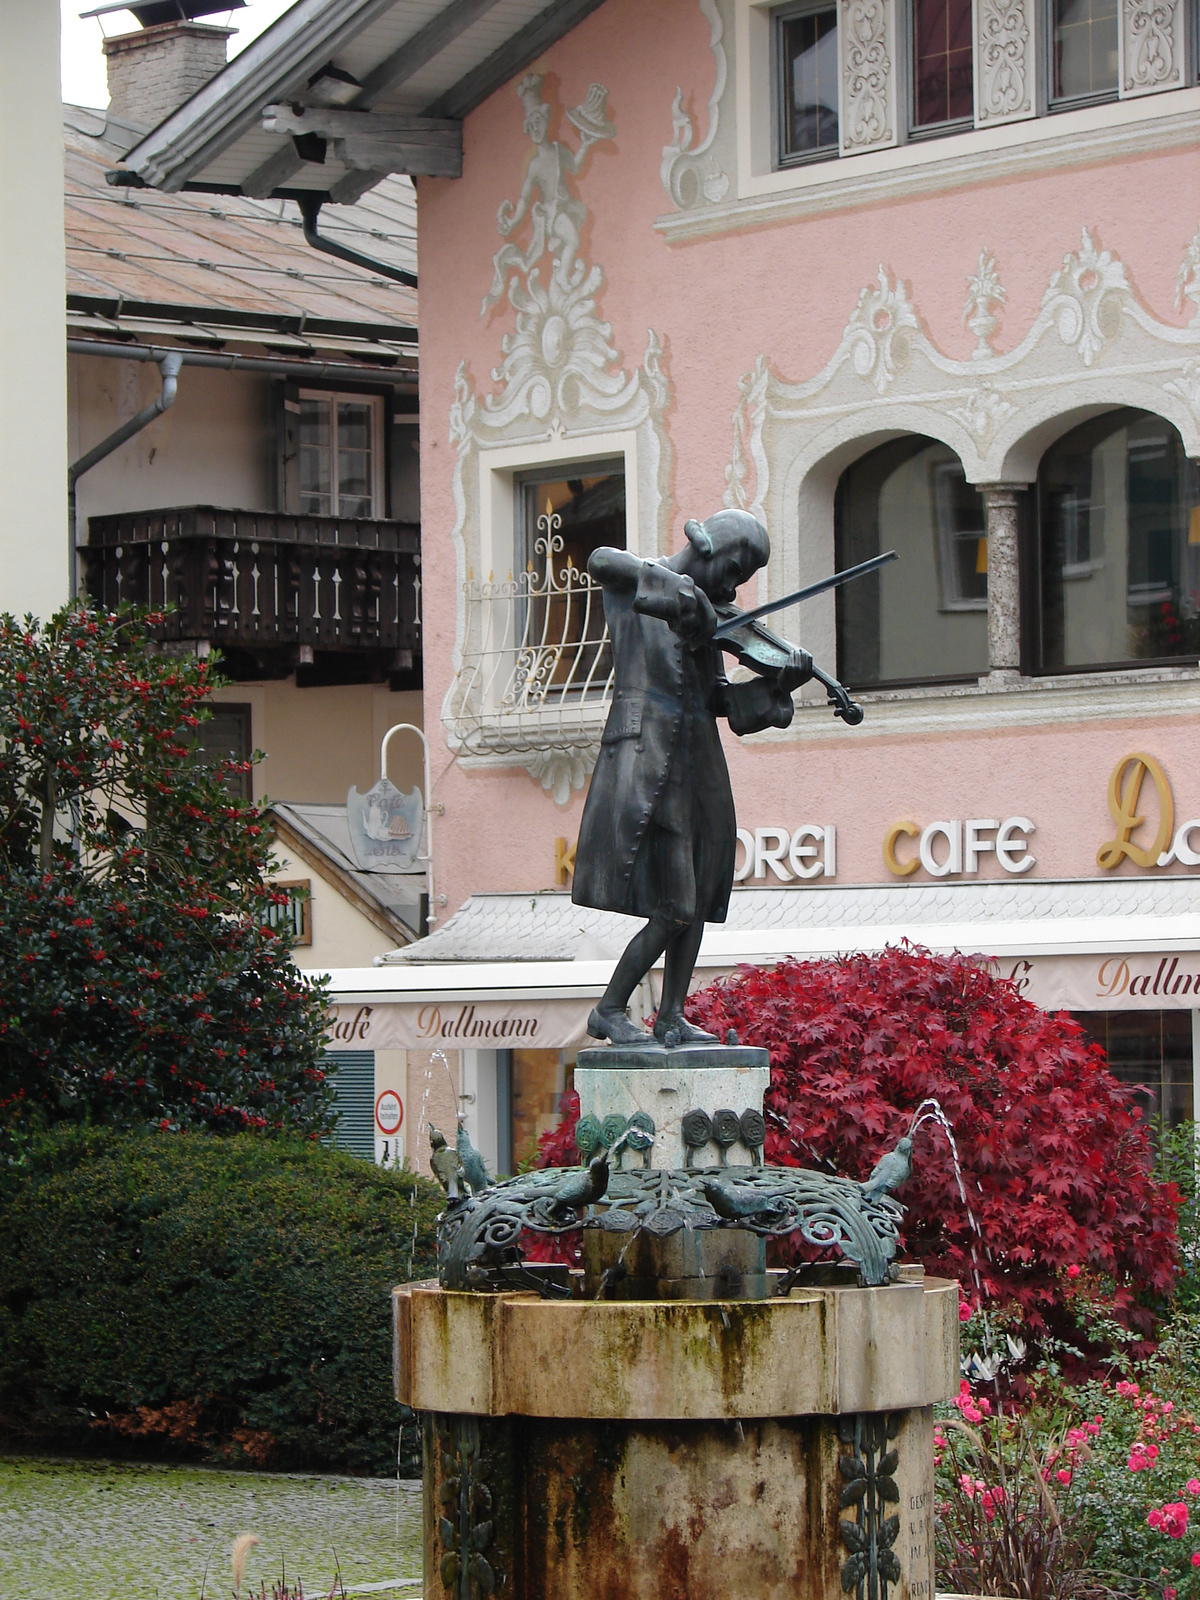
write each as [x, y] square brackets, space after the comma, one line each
[1085, 963]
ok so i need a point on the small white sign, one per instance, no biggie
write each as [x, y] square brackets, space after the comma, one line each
[389, 1112]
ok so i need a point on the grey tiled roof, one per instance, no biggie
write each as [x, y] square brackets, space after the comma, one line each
[204, 251]
[548, 927]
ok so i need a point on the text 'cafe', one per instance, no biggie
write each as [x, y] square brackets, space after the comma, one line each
[485, 1016]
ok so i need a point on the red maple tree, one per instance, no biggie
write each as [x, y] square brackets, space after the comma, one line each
[1057, 1160]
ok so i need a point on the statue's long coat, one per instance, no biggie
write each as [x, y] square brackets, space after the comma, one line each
[661, 713]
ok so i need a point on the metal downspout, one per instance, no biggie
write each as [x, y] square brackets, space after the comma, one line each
[310, 210]
[168, 365]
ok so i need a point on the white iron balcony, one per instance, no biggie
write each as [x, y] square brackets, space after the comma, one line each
[536, 672]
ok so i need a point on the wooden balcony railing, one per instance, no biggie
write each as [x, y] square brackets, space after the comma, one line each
[264, 582]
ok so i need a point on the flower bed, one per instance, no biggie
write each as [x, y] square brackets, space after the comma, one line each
[1077, 1491]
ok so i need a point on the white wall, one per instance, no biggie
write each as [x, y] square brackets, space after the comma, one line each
[320, 741]
[214, 446]
[341, 935]
[33, 396]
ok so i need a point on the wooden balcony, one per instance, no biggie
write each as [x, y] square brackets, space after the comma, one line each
[337, 599]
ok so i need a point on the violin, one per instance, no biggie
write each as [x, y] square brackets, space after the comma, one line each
[754, 645]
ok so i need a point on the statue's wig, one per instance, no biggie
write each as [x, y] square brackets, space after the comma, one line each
[728, 528]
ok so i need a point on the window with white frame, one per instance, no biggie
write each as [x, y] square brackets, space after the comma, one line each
[923, 619]
[340, 454]
[806, 77]
[563, 515]
[921, 78]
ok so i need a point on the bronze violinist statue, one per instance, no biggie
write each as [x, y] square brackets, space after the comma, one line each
[659, 834]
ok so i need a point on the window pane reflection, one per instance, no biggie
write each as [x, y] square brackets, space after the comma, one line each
[1085, 48]
[808, 50]
[354, 459]
[316, 458]
[1152, 1051]
[337, 445]
[540, 1078]
[925, 616]
[942, 61]
[1119, 523]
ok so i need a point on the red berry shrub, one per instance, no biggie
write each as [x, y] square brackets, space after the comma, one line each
[1056, 1159]
[140, 980]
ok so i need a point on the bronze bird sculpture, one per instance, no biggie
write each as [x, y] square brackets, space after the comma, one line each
[474, 1168]
[581, 1186]
[446, 1164]
[732, 1203]
[890, 1171]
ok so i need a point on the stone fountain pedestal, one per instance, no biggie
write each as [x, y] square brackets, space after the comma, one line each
[679, 1448]
[671, 1420]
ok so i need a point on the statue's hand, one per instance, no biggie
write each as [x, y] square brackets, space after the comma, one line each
[504, 218]
[695, 620]
[799, 669]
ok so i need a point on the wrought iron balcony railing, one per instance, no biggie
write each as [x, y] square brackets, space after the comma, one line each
[536, 671]
[261, 581]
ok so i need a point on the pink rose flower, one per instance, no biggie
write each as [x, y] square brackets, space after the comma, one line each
[1196, 1558]
[1193, 1486]
[964, 1311]
[1073, 1271]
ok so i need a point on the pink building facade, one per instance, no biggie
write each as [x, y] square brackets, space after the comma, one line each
[888, 274]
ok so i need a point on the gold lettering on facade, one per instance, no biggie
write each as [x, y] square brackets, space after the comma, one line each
[1123, 793]
[564, 860]
[901, 869]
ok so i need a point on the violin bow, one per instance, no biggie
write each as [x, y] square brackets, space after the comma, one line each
[743, 617]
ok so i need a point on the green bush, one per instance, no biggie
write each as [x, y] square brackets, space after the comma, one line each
[141, 980]
[226, 1297]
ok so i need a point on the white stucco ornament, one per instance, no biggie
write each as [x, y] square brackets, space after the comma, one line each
[984, 292]
[556, 214]
[561, 395]
[691, 174]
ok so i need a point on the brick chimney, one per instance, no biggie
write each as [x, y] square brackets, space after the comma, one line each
[152, 72]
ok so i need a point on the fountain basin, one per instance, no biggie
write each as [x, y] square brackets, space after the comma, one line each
[679, 1450]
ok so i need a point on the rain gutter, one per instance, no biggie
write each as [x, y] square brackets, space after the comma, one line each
[169, 363]
[310, 209]
[272, 366]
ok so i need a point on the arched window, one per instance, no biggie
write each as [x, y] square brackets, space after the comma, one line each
[1119, 531]
[924, 618]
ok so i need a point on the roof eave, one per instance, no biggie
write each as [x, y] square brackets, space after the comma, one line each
[278, 63]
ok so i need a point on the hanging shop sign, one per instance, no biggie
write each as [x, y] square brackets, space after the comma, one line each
[389, 1112]
[954, 849]
[385, 827]
[809, 852]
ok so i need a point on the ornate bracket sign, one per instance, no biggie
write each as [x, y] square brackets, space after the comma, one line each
[385, 827]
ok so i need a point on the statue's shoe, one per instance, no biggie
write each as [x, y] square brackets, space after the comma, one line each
[675, 1031]
[616, 1027]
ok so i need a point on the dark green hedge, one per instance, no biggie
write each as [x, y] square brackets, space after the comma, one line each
[226, 1297]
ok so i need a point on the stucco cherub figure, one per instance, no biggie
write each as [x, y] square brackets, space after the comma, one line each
[556, 215]
[659, 834]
